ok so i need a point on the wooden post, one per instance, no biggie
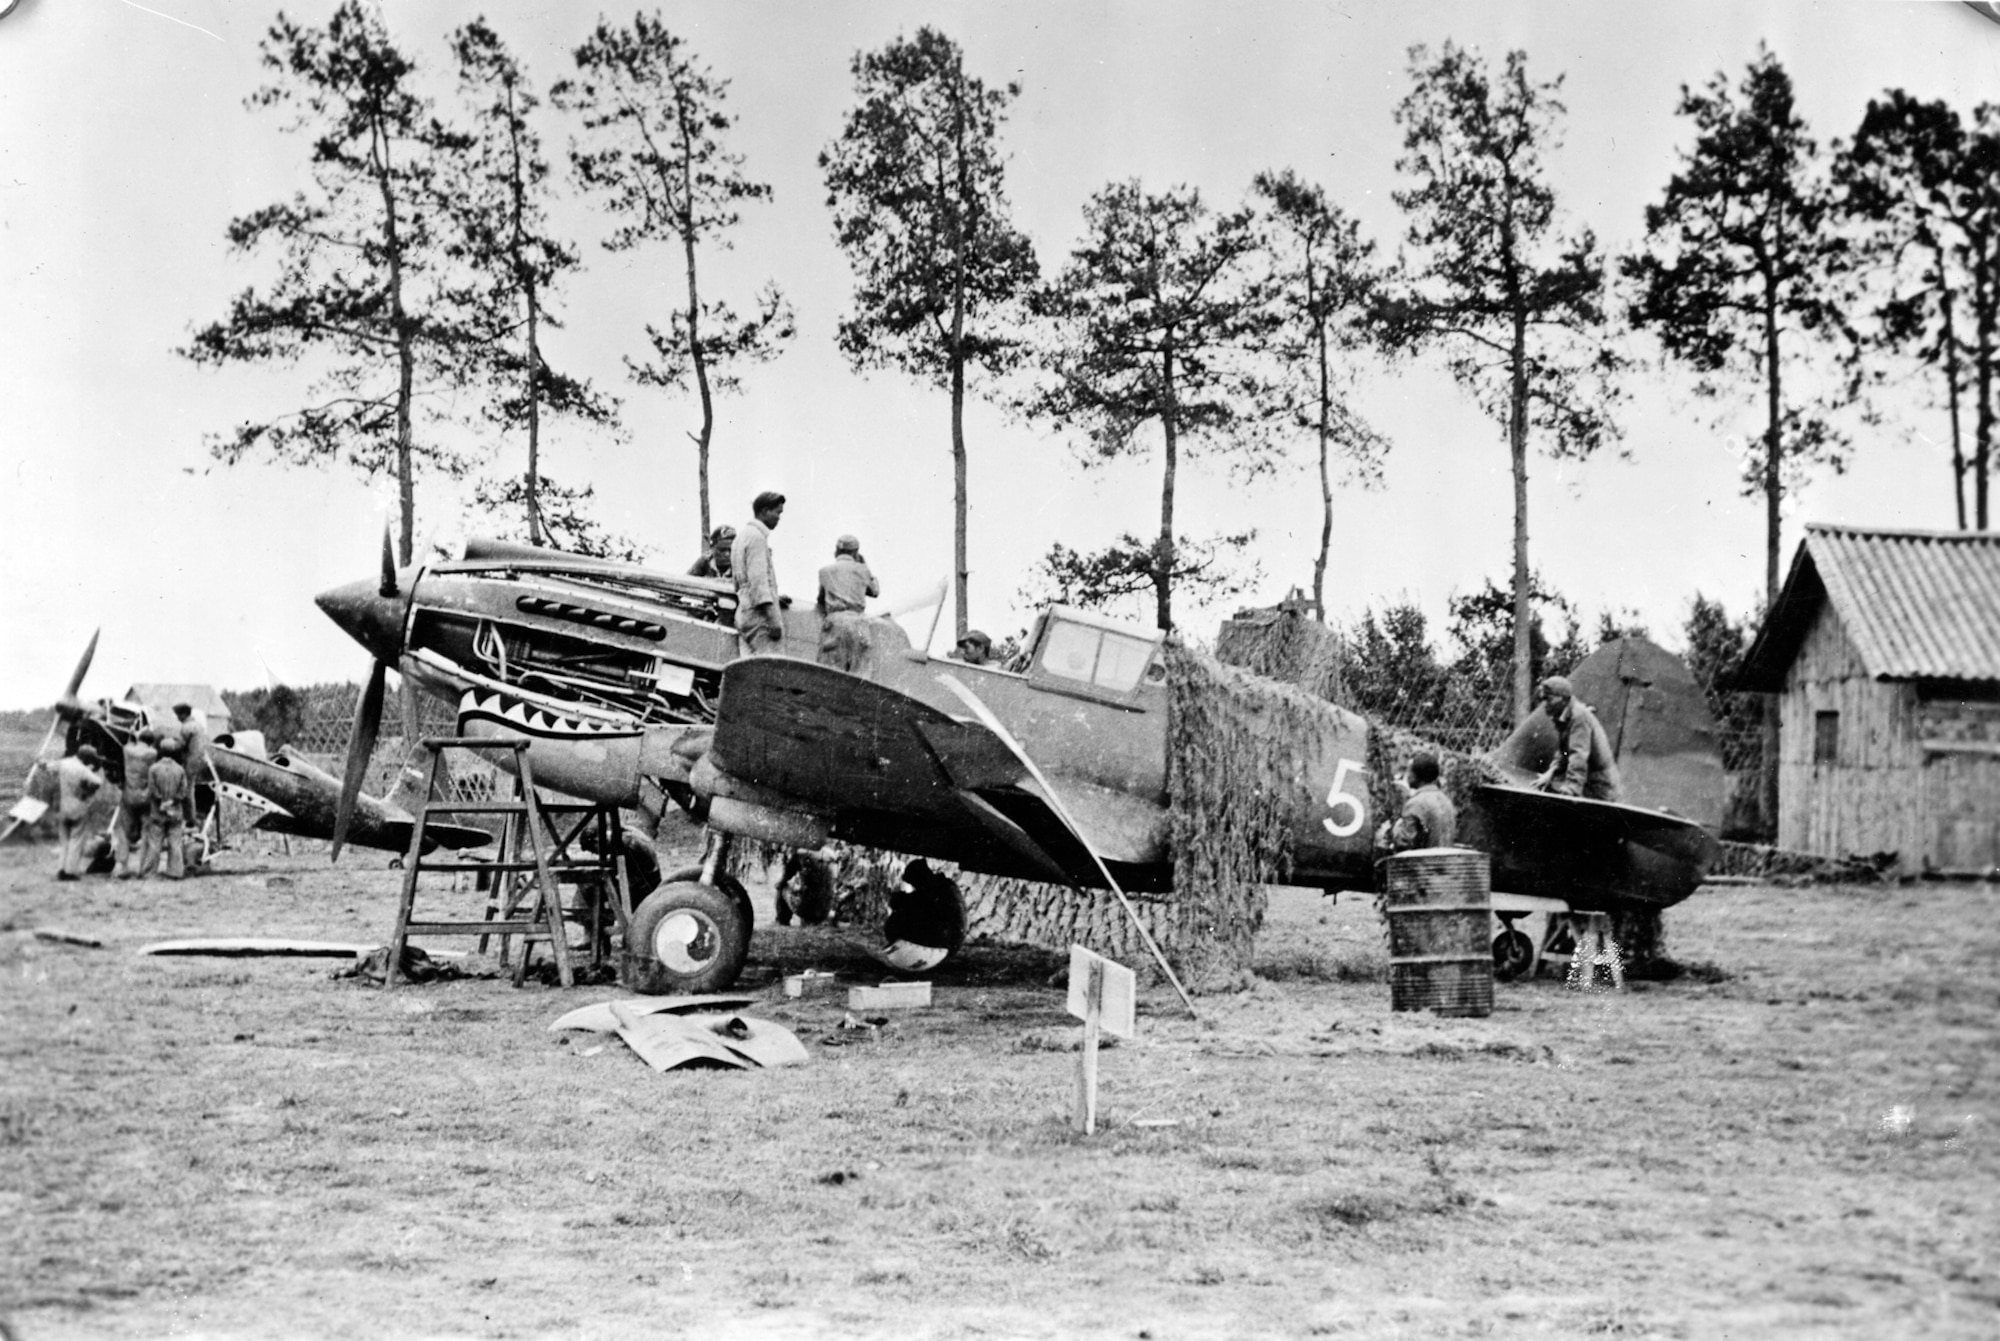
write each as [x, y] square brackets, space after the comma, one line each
[1104, 995]
[1084, 1115]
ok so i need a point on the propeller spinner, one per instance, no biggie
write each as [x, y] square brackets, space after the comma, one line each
[371, 613]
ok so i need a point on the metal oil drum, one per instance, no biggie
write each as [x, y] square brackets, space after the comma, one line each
[1440, 909]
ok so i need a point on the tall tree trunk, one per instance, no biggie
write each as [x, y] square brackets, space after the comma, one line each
[1951, 383]
[961, 570]
[961, 567]
[1163, 557]
[1774, 481]
[524, 277]
[1325, 480]
[536, 534]
[406, 361]
[696, 354]
[1517, 447]
[1985, 297]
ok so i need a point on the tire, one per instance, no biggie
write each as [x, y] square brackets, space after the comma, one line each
[686, 939]
[728, 884]
[1513, 954]
[740, 896]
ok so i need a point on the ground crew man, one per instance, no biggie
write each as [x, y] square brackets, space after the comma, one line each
[194, 758]
[1584, 764]
[77, 785]
[171, 807]
[1429, 819]
[758, 622]
[844, 588]
[128, 831]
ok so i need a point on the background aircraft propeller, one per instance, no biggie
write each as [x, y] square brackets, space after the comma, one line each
[66, 706]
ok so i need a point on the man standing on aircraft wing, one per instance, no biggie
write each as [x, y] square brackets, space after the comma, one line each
[77, 783]
[758, 623]
[714, 561]
[844, 588]
[1584, 764]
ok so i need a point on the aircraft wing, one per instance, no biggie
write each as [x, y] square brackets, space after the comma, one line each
[1595, 854]
[895, 772]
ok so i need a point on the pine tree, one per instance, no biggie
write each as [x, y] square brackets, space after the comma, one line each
[654, 156]
[1516, 305]
[365, 289]
[501, 206]
[915, 185]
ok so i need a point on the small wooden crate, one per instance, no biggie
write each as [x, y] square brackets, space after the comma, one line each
[889, 996]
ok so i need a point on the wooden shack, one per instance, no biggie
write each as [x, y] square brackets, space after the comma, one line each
[1884, 647]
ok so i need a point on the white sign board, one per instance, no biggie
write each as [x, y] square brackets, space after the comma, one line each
[1117, 1006]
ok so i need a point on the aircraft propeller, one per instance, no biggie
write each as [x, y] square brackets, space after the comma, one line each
[66, 706]
[367, 719]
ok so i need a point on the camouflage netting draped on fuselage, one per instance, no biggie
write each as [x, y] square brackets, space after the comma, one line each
[1280, 645]
[1237, 749]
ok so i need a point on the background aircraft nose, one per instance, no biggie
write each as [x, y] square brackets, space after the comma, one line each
[365, 615]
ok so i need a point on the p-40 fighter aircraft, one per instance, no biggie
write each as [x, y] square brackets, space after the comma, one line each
[1056, 772]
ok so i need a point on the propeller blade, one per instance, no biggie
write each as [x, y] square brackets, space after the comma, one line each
[82, 666]
[360, 749]
[388, 565]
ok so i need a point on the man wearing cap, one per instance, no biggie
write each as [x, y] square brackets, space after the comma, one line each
[1584, 764]
[844, 588]
[714, 561]
[128, 831]
[758, 622]
[974, 649]
[77, 784]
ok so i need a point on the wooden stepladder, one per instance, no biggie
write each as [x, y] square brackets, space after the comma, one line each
[526, 897]
[582, 845]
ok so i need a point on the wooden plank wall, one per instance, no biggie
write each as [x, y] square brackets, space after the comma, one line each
[1871, 798]
[1961, 741]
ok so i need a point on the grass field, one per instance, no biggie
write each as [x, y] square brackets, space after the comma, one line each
[1805, 1147]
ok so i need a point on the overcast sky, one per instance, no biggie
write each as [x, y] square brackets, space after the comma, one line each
[126, 148]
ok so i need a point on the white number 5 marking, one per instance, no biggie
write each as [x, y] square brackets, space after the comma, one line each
[1336, 798]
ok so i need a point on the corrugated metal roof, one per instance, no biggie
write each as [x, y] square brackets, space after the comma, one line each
[1918, 605]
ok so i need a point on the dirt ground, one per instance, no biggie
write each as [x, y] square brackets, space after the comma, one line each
[1798, 1140]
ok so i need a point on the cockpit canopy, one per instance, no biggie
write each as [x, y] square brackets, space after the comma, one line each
[1079, 651]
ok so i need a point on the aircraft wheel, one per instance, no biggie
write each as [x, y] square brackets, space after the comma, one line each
[687, 939]
[1513, 954]
[739, 896]
[728, 884]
